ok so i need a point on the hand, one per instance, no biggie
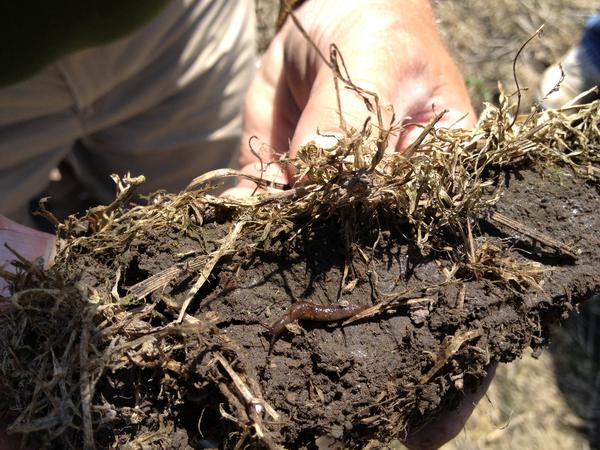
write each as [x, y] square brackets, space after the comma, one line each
[27, 242]
[446, 425]
[389, 47]
[30, 244]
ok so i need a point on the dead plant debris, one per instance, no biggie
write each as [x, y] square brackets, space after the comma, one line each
[148, 330]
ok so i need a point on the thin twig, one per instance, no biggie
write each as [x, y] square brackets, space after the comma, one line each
[533, 234]
[514, 70]
[203, 277]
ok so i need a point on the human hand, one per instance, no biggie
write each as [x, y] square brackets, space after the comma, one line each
[27, 242]
[30, 244]
[389, 47]
[447, 424]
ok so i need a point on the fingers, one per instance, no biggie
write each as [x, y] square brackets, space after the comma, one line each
[365, 61]
[407, 66]
[412, 100]
[398, 55]
[448, 93]
[320, 113]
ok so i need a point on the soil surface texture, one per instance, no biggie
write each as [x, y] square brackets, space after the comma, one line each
[377, 376]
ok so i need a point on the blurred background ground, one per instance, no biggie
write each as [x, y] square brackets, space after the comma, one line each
[484, 38]
[542, 403]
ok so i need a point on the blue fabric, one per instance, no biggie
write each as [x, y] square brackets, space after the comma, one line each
[593, 23]
[590, 40]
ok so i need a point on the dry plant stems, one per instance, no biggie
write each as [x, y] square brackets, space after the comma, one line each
[537, 33]
[51, 362]
[450, 346]
[64, 343]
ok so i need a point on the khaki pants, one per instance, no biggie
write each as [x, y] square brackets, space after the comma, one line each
[164, 102]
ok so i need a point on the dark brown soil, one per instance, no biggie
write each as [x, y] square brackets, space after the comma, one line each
[327, 377]
[358, 382]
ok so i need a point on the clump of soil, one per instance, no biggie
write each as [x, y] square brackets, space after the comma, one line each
[152, 329]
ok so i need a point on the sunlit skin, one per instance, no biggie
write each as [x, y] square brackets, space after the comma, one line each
[389, 47]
